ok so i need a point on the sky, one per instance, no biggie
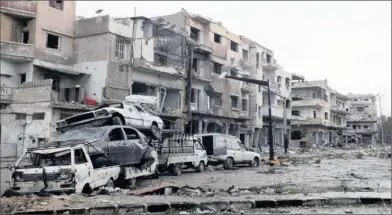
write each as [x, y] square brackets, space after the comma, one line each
[346, 42]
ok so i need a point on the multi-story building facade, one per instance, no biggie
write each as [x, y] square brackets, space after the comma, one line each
[319, 113]
[362, 122]
[218, 105]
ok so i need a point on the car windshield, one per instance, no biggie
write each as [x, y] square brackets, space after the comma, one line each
[59, 158]
[82, 134]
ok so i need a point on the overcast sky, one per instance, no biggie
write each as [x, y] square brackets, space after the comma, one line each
[348, 43]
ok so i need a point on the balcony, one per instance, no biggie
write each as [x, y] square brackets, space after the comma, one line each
[309, 103]
[203, 47]
[276, 112]
[361, 131]
[296, 120]
[6, 94]
[270, 65]
[217, 110]
[339, 110]
[245, 87]
[17, 51]
[20, 9]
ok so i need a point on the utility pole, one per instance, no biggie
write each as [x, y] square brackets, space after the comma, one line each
[270, 137]
[285, 134]
[381, 124]
[189, 85]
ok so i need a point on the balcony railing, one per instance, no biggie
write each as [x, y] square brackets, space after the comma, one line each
[309, 102]
[6, 94]
[26, 9]
[275, 111]
[14, 49]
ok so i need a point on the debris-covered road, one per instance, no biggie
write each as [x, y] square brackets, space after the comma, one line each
[300, 175]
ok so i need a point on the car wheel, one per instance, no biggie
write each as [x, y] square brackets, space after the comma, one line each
[255, 162]
[156, 132]
[117, 121]
[175, 169]
[201, 167]
[110, 184]
[228, 164]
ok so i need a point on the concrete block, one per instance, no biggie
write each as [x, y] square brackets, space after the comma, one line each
[103, 210]
[132, 208]
[216, 205]
[314, 202]
[73, 211]
[37, 212]
[289, 202]
[183, 206]
[370, 200]
[265, 204]
[242, 205]
[343, 201]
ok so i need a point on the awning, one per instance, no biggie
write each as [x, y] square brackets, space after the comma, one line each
[57, 67]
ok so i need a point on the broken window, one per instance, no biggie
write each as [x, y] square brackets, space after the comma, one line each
[26, 37]
[116, 135]
[55, 81]
[131, 134]
[268, 58]
[217, 38]
[38, 116]
[217, 68]
[143, 89]
[314, 95]
[314, 114]
[244, 105]
[365, 126]
[80, 157]
[193, 96]
[22, 78]
[58, 4]
[195, 64]
[234, 101]
[20, 116]
[160, 59]
[296, 135]
[120, 47]
[326, 115]
[234, 46]
[295, 113]
[245, 55]
[53, 41]
[195, 34]
[287, 104]
[258, 60]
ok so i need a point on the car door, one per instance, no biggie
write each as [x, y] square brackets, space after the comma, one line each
[146, 117]
[133, 145]
[244, 152]
[200, 151]
[115, 141]
[83, 167]
[237, 153]
[132, 116]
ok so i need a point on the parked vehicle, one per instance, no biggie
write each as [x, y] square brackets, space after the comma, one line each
[227, 150]
[84, 160]
[122, 113]
[181, 151]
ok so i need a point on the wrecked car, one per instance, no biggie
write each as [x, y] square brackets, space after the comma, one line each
[227, 150]
[83, 160]
[122, 113]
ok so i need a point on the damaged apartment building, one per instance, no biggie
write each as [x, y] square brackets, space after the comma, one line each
[35, 47]
[319, 114]
[362, 123]
[134, 56]
[217, 105]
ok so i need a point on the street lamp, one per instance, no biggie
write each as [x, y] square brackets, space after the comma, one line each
[260, 83]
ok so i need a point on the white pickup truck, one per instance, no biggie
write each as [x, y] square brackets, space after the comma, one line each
[106, 156]
[121, 113]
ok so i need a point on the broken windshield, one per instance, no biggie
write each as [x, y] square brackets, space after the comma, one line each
[59, 158]
[82, 134]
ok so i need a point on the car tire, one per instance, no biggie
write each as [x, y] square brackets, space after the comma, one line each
[255, 162]
[116, 120]
[200, 167]
[228, 164]
[175, 169]
[156, 132]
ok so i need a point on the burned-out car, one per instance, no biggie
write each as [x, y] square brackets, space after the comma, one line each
[83, 160]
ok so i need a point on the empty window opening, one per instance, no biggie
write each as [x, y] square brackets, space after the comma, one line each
[55, 81]
[355, 100]
[131, 134]
[20, 116]
[287, 104]
[234, 46]
[195, 64]
[53, 41]
[193, 96]
[279, 79]
[244, 105]
[120, 47]
[257, 60]
[314, 114]
[234, 101]
[287, 83]
[58, 4]
[295, 113]
[268, 58]
[195, 34]
[160, 59]
[143, 89]
[259, 111]
[22, 78]
[366, 99]
[26, 37]
[217, 68]
[245, 55]
[314, 95]
[365, 126]
[116, 135]
[326, 115]
[38, 116]
[217, 38]
[296, 135]
[80, 157]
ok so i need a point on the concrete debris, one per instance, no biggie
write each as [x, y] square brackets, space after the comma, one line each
[348, 211]
[158, 189]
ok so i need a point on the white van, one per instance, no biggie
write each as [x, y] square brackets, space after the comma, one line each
[227, 150]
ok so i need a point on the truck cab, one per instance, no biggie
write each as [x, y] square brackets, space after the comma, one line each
[61, 169]
[227, 150]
